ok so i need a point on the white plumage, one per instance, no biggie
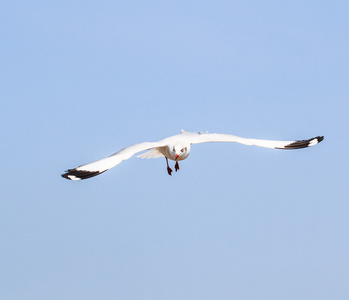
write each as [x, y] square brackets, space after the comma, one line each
[177, 148]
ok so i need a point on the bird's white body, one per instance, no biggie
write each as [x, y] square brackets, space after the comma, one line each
[177, 148]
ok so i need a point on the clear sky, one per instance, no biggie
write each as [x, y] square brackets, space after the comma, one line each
[82, 79]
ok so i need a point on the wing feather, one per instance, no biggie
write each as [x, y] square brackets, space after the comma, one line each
[217, 137]
[98, 167]
[154, 153]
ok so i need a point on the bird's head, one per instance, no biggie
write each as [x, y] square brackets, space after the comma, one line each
[180, 151]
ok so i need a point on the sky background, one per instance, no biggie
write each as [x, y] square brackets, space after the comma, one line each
[82, 79]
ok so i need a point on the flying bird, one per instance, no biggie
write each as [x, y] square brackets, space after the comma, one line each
[177, 148]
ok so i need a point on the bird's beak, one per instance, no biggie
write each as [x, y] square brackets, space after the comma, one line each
[176, 156]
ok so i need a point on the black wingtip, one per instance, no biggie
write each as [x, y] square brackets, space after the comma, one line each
[73, 174]
[320, 138]
[304, 143]
[297, 145]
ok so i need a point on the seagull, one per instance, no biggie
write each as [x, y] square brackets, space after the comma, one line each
[177, 148]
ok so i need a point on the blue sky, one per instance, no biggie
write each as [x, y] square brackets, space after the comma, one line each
[83, 79]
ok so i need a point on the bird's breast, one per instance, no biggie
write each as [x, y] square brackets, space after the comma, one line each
[172, 155]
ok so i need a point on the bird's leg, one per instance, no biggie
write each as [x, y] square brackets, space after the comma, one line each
[169, 170]
[176, 166]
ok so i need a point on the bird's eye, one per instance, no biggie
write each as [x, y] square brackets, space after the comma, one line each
[182, 150]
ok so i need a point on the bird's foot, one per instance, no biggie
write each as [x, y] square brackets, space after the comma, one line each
[169, 171]
[176, 166]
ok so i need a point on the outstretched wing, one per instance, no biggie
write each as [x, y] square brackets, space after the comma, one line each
[100, 166]
[217, 137]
